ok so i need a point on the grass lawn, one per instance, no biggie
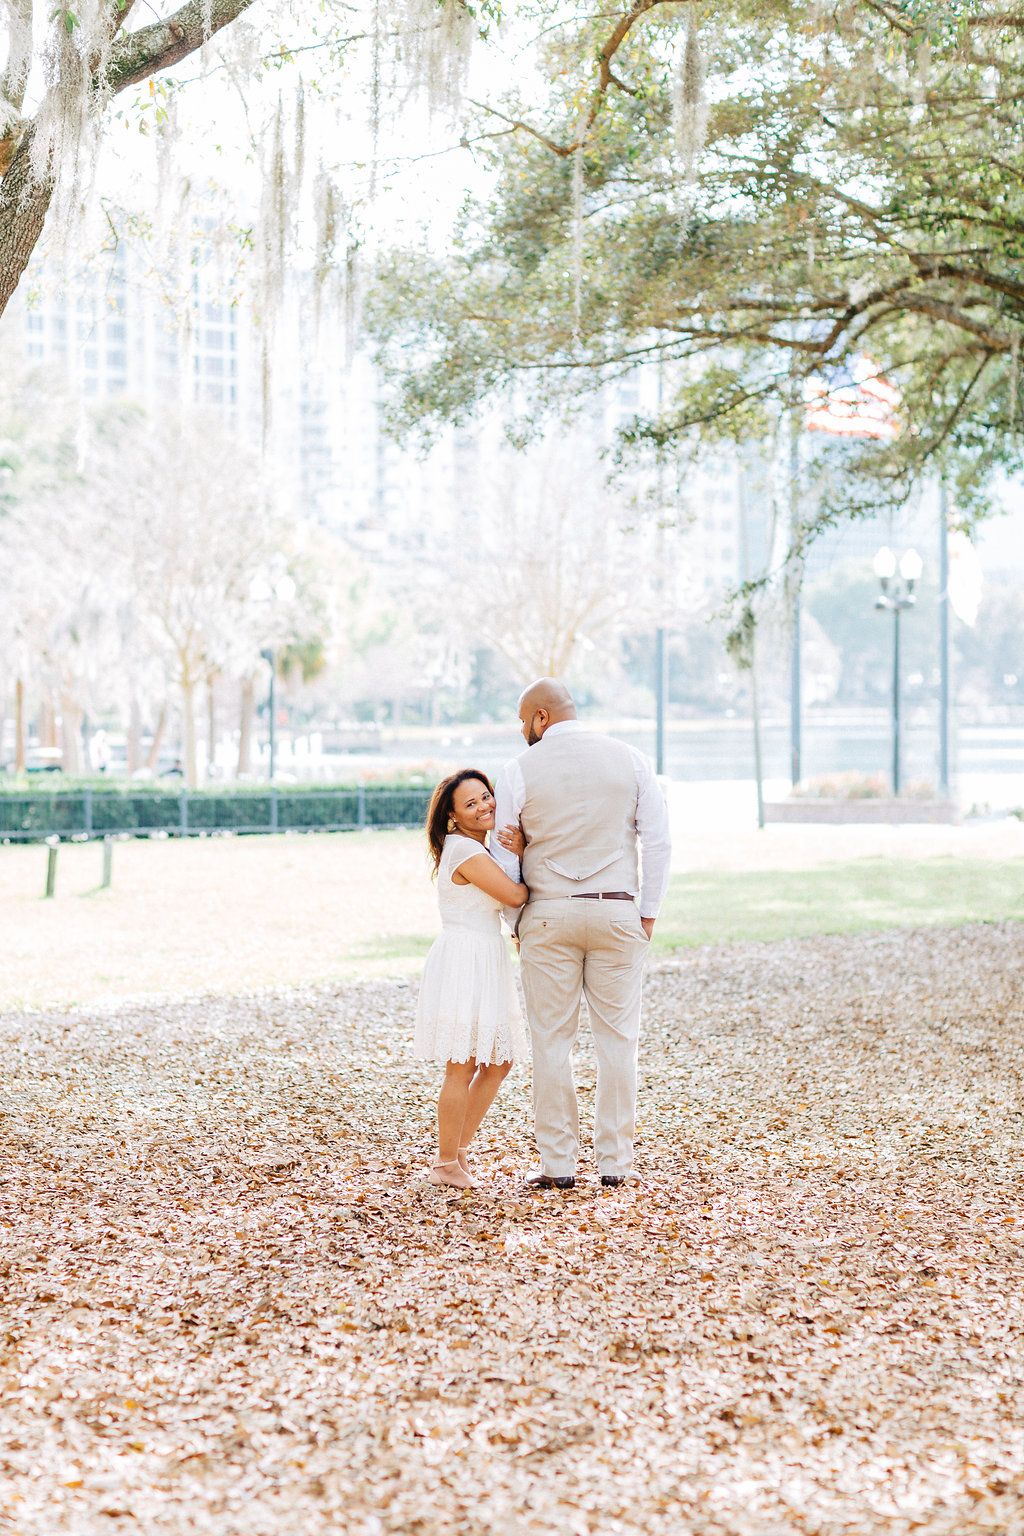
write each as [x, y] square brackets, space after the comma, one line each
[715, 907]
[233, 915]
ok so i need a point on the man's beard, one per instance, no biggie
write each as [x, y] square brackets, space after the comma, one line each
[532, 737]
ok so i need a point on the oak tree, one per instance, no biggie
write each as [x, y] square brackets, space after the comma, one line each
[758, 209]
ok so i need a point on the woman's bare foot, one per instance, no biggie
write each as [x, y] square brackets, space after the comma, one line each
[464, 1165]
[452, 1174]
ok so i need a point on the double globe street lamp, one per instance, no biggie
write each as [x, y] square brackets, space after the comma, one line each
[897, 594]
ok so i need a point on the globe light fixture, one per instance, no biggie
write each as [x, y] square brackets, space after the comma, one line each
[911, 567]
[885, 565]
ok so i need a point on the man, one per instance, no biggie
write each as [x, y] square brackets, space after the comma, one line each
[585, 803]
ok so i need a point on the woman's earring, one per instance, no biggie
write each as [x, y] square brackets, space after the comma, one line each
[451, 823]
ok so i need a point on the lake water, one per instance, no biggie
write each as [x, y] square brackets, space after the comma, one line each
[717, 749]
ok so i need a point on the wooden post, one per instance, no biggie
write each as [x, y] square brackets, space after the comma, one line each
[943, 644]
[108, 859]
[19, 727]
[52, 844]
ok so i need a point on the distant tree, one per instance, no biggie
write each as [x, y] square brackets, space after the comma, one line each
[54, 628]
[990, 656]
[548, 566]
[126, 582]
[193, 545]
[843, 604]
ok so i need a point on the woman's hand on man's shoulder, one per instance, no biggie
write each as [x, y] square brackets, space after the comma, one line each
[512, 838]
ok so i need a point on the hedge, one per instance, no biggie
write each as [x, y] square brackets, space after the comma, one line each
[33, 815]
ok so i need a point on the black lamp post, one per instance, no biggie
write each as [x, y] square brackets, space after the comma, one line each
[897, 594]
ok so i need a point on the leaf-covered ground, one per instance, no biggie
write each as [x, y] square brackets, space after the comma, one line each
[230, 1303]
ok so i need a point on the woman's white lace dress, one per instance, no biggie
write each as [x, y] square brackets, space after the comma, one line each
[468, 1004]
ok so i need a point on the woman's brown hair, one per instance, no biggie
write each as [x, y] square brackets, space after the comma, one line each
[440, 808]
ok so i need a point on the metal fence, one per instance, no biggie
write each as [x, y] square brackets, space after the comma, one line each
[88, 813]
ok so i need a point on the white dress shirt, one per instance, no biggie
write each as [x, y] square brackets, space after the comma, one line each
[652, 826]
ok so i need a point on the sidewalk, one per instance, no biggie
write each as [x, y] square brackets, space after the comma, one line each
[714, 826]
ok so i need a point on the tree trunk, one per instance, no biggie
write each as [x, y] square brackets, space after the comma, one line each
[245, 723]
[188, 730]
[133, 57]
[211, 721]
[19, 727]
[47, 725]
[134, 737]
[71, 718]
[158, 736]
[23, 207]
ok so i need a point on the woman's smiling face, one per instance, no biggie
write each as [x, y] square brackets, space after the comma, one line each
[473, 808]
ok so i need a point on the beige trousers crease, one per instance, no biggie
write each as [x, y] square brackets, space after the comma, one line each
[595, 950]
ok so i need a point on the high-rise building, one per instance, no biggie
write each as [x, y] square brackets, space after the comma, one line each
[285, 382]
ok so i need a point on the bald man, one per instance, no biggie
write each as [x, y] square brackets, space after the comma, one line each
[597, 866]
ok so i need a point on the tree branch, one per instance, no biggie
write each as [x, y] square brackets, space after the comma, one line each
[618, 36]
[141, 54]
[515, 122]
[957, 411]
[939, 311]
[993, 280]
[887, 15]
[606, 77]
[24, 197]
[1008, 19]
[15, 78]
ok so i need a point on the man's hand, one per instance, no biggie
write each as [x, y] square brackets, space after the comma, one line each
[647, 924]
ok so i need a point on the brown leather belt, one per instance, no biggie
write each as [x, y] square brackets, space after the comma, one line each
[602, 896]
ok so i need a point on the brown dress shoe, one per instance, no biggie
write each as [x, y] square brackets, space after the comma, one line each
[551, 1181]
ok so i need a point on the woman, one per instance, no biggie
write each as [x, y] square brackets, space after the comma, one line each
[468, 1015]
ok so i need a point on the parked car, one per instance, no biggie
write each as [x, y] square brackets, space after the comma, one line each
[44, 760]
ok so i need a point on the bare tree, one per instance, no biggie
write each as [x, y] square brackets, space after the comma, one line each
[126, 583]
[193, 543]
[553, 564]
[56, 628]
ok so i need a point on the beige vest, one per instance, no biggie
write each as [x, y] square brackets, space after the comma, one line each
[580, 815]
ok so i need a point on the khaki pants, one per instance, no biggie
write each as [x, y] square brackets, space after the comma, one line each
[568, 950]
